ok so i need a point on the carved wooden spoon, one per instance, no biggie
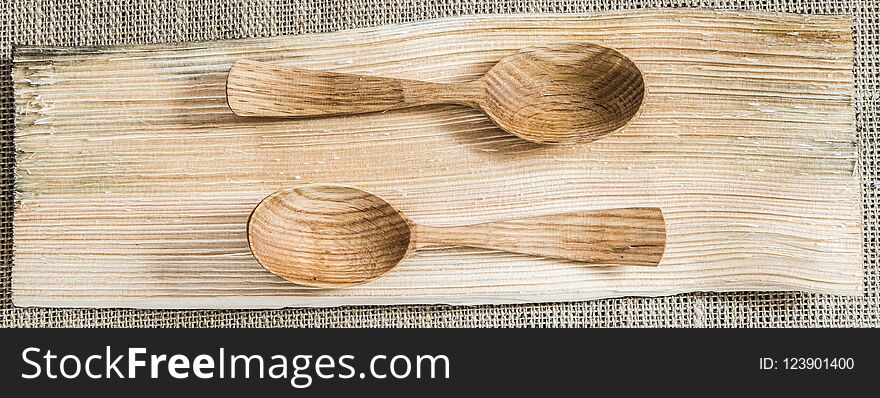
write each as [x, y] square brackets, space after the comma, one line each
[333, 236]
[552, 94]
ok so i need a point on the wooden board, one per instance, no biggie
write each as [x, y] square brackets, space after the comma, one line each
[134, 180]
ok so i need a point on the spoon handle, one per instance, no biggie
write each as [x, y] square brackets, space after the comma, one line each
[260, 89]
[629, 236]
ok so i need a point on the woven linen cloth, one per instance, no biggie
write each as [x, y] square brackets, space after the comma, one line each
[97, 22]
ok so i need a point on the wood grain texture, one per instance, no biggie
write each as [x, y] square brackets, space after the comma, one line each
[624, 236]
[134, 180]
[333, 236]
[262, 89]
[549, 94]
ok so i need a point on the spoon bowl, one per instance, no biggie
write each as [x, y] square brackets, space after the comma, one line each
[558, 93]
[333, 236]
[564, 93]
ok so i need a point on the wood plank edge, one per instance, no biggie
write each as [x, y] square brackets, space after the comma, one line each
[275, 302]
[22, 53]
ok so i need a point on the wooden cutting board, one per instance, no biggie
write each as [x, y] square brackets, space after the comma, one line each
[134, 181]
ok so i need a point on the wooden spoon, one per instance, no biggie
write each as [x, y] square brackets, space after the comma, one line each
[552, 94]
[333, 236]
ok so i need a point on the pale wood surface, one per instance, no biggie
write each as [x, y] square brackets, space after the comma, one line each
[135, 181]
[334, 236]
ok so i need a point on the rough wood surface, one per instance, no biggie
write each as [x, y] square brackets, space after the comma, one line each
[335, 236]
[135, 181]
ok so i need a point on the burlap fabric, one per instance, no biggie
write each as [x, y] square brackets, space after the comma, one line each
[96, 22]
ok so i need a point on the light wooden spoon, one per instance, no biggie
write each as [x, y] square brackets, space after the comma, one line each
[334, 236]
[561, 93]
